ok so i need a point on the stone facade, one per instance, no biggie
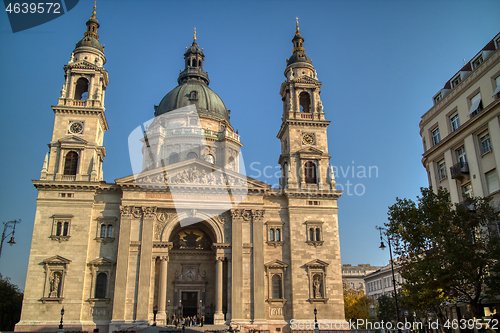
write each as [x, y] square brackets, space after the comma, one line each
[186, 235]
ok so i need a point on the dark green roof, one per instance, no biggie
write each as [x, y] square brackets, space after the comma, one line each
[207, 102]
[90, 41]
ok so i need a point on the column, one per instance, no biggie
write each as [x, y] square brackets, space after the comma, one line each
[162, 290]
[229, 284]
[218, 316]
[146, 252]
[122, 266]
[236, 266]
[258, 266]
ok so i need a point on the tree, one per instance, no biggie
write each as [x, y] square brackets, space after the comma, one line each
[447, 251]
[11, 301]
[356, 304]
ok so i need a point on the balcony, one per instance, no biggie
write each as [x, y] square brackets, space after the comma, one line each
[459, 170]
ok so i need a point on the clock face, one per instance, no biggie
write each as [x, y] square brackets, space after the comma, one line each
[308, 139]
[76, 128]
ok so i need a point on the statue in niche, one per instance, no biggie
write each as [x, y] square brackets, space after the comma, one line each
[317, 287]
[54, 284]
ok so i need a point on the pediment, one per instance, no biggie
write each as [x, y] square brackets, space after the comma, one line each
[309, 150]
[276, 264]
[82, 64]
[316, 263]
[101, 262]
[72, 139]
[193, 173]
[56, 260]
[306, 79]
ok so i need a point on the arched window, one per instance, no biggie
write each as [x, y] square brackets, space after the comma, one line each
[58, 229]
[310, 173]
[82, 86]
[103, 231]
[71, 163]
[305, 102]
[191, 155]
[194, 62]
[277, 290]
[230, 163]
[318, 234]
[311, 234]
[66, 229]
[278, 237]
[173, 158]
[110, 231]
[101, 282]
[271, 235]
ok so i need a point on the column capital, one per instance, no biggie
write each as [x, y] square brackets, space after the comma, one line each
[220, 257]
[163, 258]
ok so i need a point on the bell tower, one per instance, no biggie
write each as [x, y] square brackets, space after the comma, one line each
[304, 155]
[76, 149]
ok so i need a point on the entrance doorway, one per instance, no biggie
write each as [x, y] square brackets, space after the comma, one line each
[189, 303]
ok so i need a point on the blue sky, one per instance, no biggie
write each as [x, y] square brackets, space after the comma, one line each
[380, 63]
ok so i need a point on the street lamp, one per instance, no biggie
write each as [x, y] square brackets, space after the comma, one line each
[61, 323]
[315, 320]
[6, 225]
[382, 246]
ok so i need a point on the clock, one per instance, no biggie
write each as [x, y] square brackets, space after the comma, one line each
[76, 127]
[308, 139]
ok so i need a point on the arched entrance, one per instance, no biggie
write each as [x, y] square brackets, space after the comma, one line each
[191, 273]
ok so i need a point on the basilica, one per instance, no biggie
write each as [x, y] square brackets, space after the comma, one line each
[187, 234]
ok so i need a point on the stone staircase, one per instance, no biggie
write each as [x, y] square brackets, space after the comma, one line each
[193, 329]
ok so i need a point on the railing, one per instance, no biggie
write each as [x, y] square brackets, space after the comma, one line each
[68, 177]
[459, 169]
[306, 116]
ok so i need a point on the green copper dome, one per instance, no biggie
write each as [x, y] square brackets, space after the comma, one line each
[207, 102]
[193, 89]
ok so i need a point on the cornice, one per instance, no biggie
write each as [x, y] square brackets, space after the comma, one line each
[86, 110]
[66, 185]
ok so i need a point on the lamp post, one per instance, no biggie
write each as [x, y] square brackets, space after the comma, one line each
[6, 225]
[316, 328]
[382, 246]
[61, 323]
[155, 312]
[168, 312]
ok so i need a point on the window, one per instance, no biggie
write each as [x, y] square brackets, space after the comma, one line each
[305, 102]
[438, 97]
[81, 90]
[461, 156]
[454, 122]
[193, 96]
[435, 136]
[497, 85]
[314, 233]
[485, 143]
[191, 155]
[455, 81]
[275, 271]
[467, 191]
[173, 158]
[104, 227]
[492, 181]
[477, 62]
[275, 233]
[71, 163]
[442, 170]
[55, 273]
[277, 287]
[101, 270]
[101, 285]
[310, 173]
[61, 227]
[476, 105]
